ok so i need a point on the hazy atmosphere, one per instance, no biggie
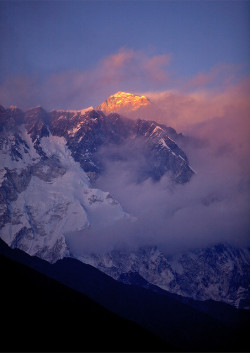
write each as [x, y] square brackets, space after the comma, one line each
[212, 208]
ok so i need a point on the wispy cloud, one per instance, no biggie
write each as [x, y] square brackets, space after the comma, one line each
[182, 110]
[129, 64]
[126, 69]
[219, 76]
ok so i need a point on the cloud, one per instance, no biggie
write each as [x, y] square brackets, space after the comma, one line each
[78, 89]
[125, 70]
[181, 110]
[211, 109]
[220, 75]
[212, 208]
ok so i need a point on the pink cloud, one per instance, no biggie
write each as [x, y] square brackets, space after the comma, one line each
[130, 70]
[120, 59]
[156, 67]
[75, 89]
[128, 64]
[221, 75]
[182, 110]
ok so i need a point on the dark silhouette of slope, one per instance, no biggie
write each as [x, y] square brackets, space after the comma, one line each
[221, 311]
[40, 314]
[187, 325]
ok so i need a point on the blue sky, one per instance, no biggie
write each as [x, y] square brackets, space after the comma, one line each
[41, 40]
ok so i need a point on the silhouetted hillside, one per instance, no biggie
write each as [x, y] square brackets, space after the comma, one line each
[40, 314]
[185, 324]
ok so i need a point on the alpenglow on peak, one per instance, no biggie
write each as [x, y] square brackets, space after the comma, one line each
[123, 101]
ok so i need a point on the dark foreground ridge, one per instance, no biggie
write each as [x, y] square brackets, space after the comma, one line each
[39, 307]
[41, 314]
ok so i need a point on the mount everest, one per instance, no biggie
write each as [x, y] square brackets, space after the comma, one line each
[49, 164]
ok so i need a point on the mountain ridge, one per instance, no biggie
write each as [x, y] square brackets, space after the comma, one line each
[45, 317]
[184, 326]
[55, 157]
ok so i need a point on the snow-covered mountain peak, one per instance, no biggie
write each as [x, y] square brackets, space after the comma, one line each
[49, 164]
[121, 94]
[121, 101]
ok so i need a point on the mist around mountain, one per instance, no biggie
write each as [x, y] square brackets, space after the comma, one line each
[129, 194]
[49, 156]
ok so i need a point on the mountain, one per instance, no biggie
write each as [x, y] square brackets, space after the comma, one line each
[220, 272]
[42, 314]
[87, 134]
[49, 310]
[49, 163]
[53, 157]
[39, 194]
[122, 102]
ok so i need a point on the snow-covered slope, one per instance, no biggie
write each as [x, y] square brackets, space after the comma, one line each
[47, 162]
[45, 194]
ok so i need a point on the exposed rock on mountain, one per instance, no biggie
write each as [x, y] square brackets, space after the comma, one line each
[220, 273]
[85, 134]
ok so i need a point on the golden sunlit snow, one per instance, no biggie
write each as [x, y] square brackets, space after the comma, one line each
[123, 101]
